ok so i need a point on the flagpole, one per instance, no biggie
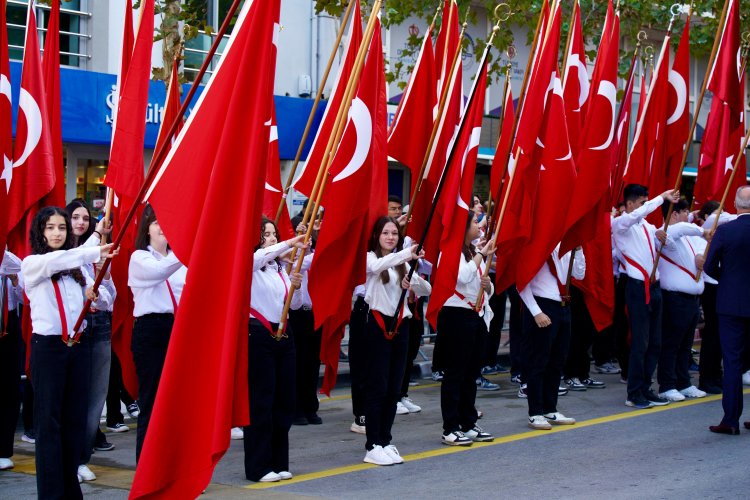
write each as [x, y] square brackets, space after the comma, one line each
[160, 154]
[314, 108]
[435, 125]
[506, 87]
[724, 197]
[328, 156]
[686, 146]
[452, 152]
[568, 42]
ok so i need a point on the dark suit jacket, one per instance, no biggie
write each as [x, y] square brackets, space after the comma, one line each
[728, 261]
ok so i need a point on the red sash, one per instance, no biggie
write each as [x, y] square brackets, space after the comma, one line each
[63, 321]
[171, 296]
[264, 321]
[381, 323]
[564, 295]
[684, 269]
[646, 275]
[481, 299]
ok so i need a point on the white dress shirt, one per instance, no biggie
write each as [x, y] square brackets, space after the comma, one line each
[468, 285]
[148, 274]
[271, 284]
[677, 264]
[90, 271]
[37, 271]
[635, 238]
[303, 291]
[545, 285]
[13, 295]
[384, 297]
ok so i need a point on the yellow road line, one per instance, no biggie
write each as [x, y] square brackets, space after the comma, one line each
[448, 450]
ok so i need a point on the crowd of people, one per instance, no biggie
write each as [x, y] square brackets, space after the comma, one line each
[552, 335]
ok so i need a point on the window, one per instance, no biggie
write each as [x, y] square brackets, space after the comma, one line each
[197, 48]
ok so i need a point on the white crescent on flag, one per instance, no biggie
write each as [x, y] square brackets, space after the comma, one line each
[28, 106]
[476, 133]
[678, 83]
[7, 162]
[583, 81]
[608, 90]
[361, 119]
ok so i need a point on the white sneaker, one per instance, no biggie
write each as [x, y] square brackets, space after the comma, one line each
[285, 474]
[271, 477]
[118, 427]
[358, 426]
[693, 392]
[539, 422]
[456, 438]
[392, 452]
[409, 405]
[6, 463]
[558, 418]
[401, 409]
[746, 378]
[378, 456]
[28, 439]
[672, 395]
[85, 473]
[237, 433]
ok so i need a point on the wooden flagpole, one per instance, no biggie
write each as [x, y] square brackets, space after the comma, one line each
[569, 41]
[506, 87]
[314, 108]
[333, 140]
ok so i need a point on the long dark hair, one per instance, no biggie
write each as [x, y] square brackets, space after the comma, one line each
[142, 238]
[374, 246]
[263, 221]
[72, 207]
[40, 246]
[468, 248]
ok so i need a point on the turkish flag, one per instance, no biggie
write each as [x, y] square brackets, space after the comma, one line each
[502, 152]
[446, 42]
[32, 174]
[678, 122]
[359, 171]
[216, 167]
[516, 225]
[576, 82]
[6, 130]
[557, 174]
[624, 118]
[51, 71]
[273, 188]
[412, 126]
[724, 79]
[610, 20]
[306, 180]
[171, 107]
[125, 171]
[456, 196]
[596, 156]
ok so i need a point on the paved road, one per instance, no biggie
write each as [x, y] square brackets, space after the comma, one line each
[612, 452]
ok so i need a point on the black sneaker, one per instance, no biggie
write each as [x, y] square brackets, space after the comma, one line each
[590, 383]
[639, 403]
[300, 420]
[655, 400]
[104, 446]
[314, 419]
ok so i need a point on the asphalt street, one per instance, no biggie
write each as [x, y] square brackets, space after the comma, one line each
[612, 452]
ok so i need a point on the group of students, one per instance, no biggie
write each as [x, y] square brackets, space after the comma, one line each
[69, 368]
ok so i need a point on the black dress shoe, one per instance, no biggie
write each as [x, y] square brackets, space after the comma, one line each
[314, 419]
[747, 425]
[724, 429]
[301, 420]
[710, 388]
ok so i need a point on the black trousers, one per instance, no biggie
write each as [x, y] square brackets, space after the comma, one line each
[680, 314]
[10, 384]
[358, 355]
[492, 341]
[710, 360]
[582, 333]
[735, 341]
[603, 348]
[464, 335]
[645, 335]
[271, 380]
[149, 344]
[545, 350]
[385, 370]
[61, 388]
[307, 344]
[416, 329]
[622, 326]
[516, 332]
[116, 392]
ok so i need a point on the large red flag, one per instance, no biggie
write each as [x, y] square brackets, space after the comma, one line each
[610, 19]
[359, 172]
[576, 82]
[595, 159]
[51, 70]
[217, 164]
[273, 188]
[554, 190]
[624, 118]
[719, 147]
[447, 41]
[517, 221]
[32, 175]
[598, 286]
[171, 106]
[678, 106]
[502, 152]
[306, 180]
[125, 171]
[455, 197]
[6, 131]
[410, 133]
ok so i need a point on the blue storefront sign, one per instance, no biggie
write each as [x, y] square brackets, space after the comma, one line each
[87, 103]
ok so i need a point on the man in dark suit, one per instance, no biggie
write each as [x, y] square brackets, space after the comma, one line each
[728, 260]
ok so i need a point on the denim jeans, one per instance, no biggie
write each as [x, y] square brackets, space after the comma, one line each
[98, 339]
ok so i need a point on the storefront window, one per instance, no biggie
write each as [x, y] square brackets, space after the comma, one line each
[90, 183]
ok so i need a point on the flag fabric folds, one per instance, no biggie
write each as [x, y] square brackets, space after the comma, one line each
[6, 132]
[218, 164]
[273, 187]
[51, 70]
[498, 170]
[678, 107]
[171, 106]
[576, 82]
